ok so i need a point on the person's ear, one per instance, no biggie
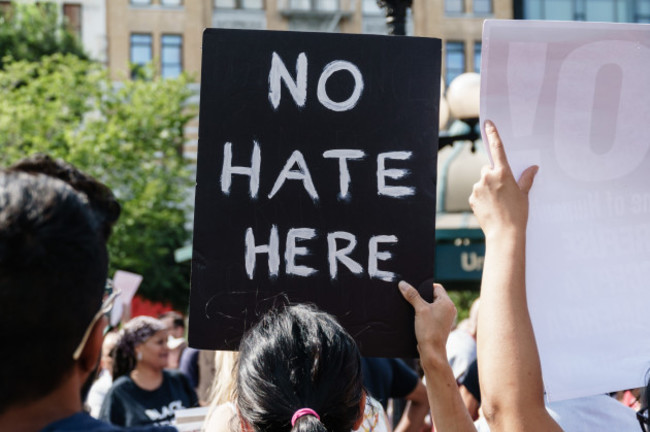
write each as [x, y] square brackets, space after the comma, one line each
[89, 357]
[362, 410]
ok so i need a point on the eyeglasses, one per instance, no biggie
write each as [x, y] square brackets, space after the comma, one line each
[644, 421]
[105, 308]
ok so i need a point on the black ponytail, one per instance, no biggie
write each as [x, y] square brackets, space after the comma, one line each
[298, 358]
[309, 423]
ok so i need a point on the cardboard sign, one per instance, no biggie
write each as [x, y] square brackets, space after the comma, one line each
[315, 182]
[574, 98]
[128, 284]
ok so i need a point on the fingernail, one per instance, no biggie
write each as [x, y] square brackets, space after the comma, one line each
[401, 285]
[489, 126]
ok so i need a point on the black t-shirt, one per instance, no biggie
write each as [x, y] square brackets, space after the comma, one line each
[126, 404]
[386, 378]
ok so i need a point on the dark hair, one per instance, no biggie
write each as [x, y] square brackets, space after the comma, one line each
[177, 318]
[53, 266]
[100, 198]
[294, 358]
[135, 332]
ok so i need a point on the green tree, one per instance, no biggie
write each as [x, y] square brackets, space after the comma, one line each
[31, 31]
[129, 136]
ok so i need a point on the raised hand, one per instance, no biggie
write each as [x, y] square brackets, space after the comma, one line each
[498, 200]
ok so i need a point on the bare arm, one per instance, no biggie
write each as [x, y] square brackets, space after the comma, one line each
[433, 323]
[416, 410]
[512, 391]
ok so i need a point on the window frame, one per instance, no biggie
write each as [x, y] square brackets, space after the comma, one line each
[452, 12]
[454, 43]
[489, 11]
[239, 5]
[180, 53]
[134, 64]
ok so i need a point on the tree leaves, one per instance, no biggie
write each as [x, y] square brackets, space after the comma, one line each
[129, 135]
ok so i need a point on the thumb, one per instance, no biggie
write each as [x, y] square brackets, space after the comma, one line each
[411, 295]
[526, 180]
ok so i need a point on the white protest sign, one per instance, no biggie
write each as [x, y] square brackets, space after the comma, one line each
[574, 98]
[128, 284]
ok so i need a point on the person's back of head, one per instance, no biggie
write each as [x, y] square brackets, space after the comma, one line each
[53, 268]
[174, 322]
[105, 207]
[294, 359]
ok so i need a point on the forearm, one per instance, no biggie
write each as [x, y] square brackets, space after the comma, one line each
[447, 408]
[510, 371]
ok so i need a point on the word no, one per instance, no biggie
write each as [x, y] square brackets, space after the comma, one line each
[298, 87]
[335, 255]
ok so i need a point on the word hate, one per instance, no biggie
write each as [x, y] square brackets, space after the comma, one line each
[302, 172]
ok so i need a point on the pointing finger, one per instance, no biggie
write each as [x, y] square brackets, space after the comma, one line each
[496, 146]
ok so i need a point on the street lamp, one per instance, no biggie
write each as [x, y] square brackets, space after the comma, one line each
[395, 15]
[463, 97]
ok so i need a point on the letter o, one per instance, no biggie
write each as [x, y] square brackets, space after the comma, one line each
[330, 69]
[575, 104]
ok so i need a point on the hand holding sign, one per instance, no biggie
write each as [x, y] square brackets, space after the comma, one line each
[433, 321]
[498, 201]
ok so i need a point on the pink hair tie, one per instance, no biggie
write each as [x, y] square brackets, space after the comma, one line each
[303, 412]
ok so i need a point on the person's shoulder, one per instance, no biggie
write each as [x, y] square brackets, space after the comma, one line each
[119, 386]
[173, 374]
[81, 422]
[124, 379]
[177, 377]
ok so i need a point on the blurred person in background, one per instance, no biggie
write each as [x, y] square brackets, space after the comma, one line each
[176, 326]
[105, 376]
[461, 344]
[388, 378]
[143, 392]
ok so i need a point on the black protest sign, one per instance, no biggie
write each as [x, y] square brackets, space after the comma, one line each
[315, 182]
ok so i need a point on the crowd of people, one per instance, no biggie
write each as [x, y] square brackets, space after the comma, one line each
[296, 370]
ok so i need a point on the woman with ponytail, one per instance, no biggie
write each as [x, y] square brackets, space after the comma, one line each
[299, 371]
[143, 392]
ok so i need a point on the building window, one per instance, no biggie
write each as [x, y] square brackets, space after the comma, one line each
[586, 10]
[239, 4]
[454, 60]
[482, 7]
[477, 56]
[141, 2]
[72, 14]
[454, 6]
[315, 5]
[141, 52]
[171, 59]
[5, 7]
[371, 7]
[171, 2]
